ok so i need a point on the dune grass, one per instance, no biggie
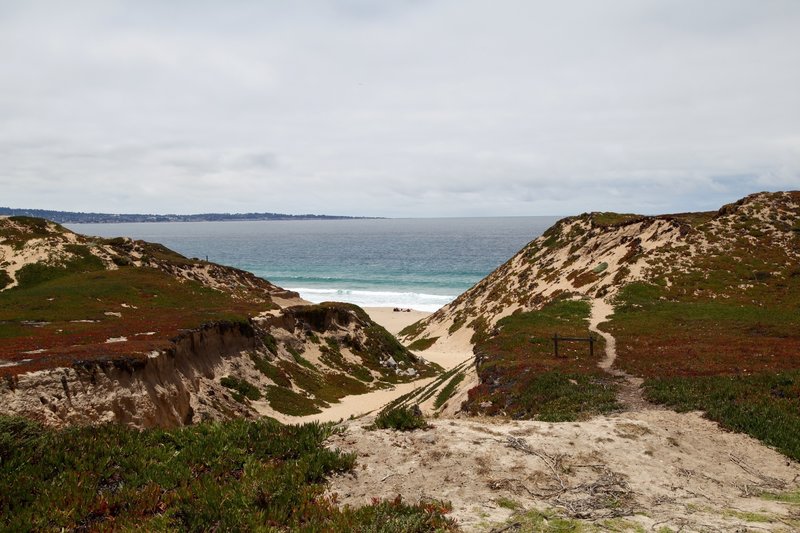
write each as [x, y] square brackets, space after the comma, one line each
[235, 476]
[766, 406]
[71, 316]
[400, 419]
[522, 378]
[730, 352]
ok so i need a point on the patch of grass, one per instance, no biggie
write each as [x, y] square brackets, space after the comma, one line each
[552, 397]
[522, 378]
[349, 385]
[299, 359]
[5, 279]
[288, 402]
[420, 345]
[457, 324]
[766, 406]
[792, 497]
[748, 516]
[362, 373]
[156, 302]
[535, 521]
[658, 336]
[270, 343]
[607, 218]
[412, 330]
[242, 388]
[234, 476]
[447, 391]
[324, 386]
[271, 371]
[400, 419]
[81, 261]
[507, 503]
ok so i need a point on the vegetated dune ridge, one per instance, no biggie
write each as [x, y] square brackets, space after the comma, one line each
[95, 330]
[697, 312]
[695, 294]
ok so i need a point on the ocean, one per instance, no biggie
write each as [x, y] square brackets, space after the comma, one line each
[411, 263]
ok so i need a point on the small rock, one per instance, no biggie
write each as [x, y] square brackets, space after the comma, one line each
[428, 438]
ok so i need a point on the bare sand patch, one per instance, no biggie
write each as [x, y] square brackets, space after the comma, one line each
[651, 468]
[394, 321]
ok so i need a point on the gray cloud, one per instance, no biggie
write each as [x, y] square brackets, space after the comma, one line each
[403, 108]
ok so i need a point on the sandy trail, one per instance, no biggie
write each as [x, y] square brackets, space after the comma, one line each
[601, 311]
[630, 391]
[349, 406]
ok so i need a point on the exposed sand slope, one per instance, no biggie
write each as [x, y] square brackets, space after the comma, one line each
[355, 406]
[449, 352]
[349, 406]
[594, 257]
[677, 470]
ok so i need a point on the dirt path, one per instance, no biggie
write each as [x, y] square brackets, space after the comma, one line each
[643, 469]
[648, 469]
[630, 391]
[349, 406]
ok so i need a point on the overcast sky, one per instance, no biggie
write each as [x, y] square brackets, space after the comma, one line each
[397, 108]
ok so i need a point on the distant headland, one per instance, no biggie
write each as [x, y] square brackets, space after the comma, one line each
[71, 217]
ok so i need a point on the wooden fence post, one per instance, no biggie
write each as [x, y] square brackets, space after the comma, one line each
[590, 339]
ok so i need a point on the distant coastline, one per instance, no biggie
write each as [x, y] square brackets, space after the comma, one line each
[72, 217]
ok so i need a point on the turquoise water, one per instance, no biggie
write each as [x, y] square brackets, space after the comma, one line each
[418, 263]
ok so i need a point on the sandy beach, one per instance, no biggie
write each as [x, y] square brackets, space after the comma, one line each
[394, 321]
[361, 404]
[454, 352]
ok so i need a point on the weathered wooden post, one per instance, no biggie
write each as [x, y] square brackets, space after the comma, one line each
[590, 339]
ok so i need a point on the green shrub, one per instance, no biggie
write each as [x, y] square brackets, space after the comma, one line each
[271, 371]
[5, 279]
[448, 390]
[290, 403]
[420, 345]
[401, 419]
[82, 261]
[242, 388]
[766, 406]
[232, 476]
[270, 343]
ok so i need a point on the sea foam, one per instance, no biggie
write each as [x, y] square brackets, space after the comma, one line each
[411, 300]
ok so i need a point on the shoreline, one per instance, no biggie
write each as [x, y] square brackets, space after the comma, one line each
[395, 321]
